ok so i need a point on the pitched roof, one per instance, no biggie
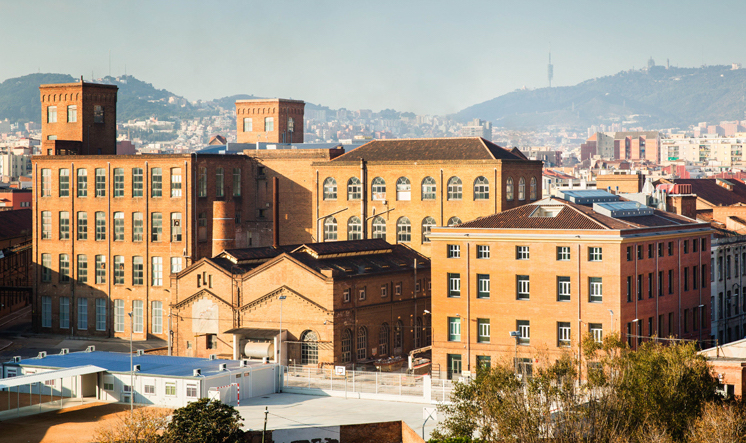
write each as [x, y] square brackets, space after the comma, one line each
[15, 223]
[423, 149]
[708, 190]
[568, 215]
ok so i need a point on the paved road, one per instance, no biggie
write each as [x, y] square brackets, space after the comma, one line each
[295, 410]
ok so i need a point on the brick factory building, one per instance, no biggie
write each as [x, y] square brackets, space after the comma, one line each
[397, 190]
[588, 263]
[346, 302]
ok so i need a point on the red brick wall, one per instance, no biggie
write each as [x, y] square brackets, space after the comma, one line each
[281, 110]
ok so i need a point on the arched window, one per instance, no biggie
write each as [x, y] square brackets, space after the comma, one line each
[309, 348]
[398, 334]
[378, 189]
[403, 189]
[330, 189]
[379, 228]
[521, 189]
[346, 346]
[403, 230]
[481, 189]
[427, 225]
[429, 188]
[532, 189]
[354, 189]
[453, 221]
[330, 228]
[455, 188]
[354, 228]
[418, 333]
[383, 339]
[362, 343]
[509, 189]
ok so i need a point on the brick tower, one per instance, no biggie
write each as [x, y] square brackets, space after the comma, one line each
[78, 118]
[269, 120]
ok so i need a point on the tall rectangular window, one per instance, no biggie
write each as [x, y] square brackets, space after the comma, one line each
[563, 253]
[82, 313]
[629, 288]
[156, 271]
[46, 311]
[660, 249]
[82, 226]
[46, 182]
[82, 268]
[46, 267]
[596, 330]
[137, 182]
[522, 287]
[269, 124]
[219, 182]
[175, 182]
[156, 182]
[483, 330]
[454, 284]
[46, 225]
[82, 183]
[100, 314]
[157, 313]
[454, 251]
[521, 253]
[118, 269]
[686, 279]
[137, 271]
[524, 332]
[483, 286]
[650, 285]
[118, 315]
[236, 182]
[695, 276]
[670, 281]
[51, 114]
[156, 226]
[100, 226]
[595, 293]
[72, 114]
[660, 283]
[176, 226]
[119, 226]
[100, 269]
[704, 276]
[639, 286]
[64, 225]
[202, 182]
[100, 182]
[248, 125]
[118, 182]
[563, 334]
[64, 182]
[64, 268]
[176, 265]
[64, 312]
[137, 314]
[483, 251]
[454, 329]
[670, 248]
[98, 114]
[137, 226]
[563, 288]
[595, 254]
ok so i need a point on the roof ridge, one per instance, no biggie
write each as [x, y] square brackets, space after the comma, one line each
[587, 216]
[489, 151]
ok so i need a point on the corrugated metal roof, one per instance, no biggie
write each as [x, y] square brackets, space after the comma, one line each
[23, 380]
[120, 362]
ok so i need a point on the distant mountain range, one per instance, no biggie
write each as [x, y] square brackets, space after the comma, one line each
[655, 98]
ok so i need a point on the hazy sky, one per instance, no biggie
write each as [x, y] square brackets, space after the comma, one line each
[431, 57]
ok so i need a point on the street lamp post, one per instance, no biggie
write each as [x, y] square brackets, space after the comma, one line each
[132, 368]
[516, 335]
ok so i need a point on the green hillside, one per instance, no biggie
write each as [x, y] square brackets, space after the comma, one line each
[655, 98]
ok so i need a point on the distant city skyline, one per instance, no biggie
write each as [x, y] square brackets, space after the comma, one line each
[426, 57]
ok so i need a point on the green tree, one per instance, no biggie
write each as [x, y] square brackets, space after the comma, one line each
[143, 425]
[205, 421]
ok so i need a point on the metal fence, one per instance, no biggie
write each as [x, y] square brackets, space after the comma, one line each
[354, 381]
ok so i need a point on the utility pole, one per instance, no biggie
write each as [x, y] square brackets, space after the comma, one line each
[266, 412]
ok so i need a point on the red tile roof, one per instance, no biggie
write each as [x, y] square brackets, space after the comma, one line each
[423, 149]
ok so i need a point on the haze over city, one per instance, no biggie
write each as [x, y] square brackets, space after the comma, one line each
[424, 57]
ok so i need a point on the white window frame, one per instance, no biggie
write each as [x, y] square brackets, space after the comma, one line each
[523, 287]
[522, 253]
[483, 251]
[454, 251]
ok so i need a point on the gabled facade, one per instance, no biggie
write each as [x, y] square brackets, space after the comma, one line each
[339, 303]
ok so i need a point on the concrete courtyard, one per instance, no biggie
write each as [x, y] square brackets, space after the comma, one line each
[297, 411]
